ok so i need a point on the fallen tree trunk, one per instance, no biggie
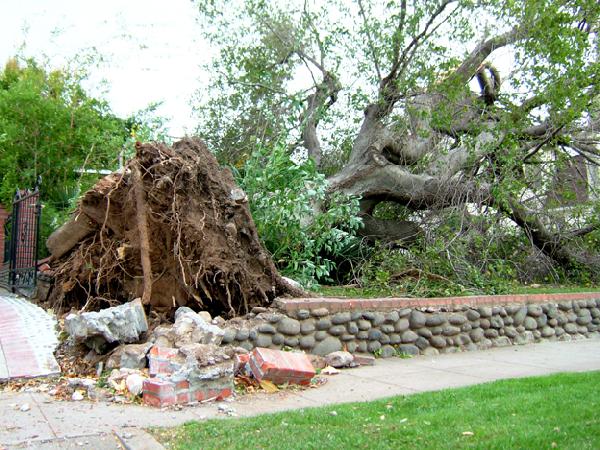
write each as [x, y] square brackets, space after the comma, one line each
[172, 228]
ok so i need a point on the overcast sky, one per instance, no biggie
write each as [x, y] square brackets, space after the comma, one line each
[153, 48]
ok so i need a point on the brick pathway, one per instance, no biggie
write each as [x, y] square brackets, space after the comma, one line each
[27, 339]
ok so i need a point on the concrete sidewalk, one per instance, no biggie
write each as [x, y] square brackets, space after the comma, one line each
[56, 424]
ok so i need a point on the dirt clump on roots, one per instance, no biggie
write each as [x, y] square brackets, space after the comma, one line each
[172, 228]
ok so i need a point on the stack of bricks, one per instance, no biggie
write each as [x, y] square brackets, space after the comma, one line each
[171, 383]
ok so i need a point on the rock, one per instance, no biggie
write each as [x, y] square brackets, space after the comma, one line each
[491, 333]
[548, 331]
[135, 383]
[328, 345]
[270, 317]
[395, 338]
[362, 335]
[472, 314]
[463, 339]
[392, 317]
[534, 310]
[530, 323]
[438, 341]
[302, 314]
[339, 359]
[205, 315]
[450, 330]
[278, 339]
[570, 328]
[378, 319]
[362, 347]
[541, 320]
[25, 406]
[408, 349]
[266, 328]
[373, 346]
[417, 319]
[347, 337]
[422, 343]
[430, 351]
[340, 318]
[124, 323]
[287, 326]
[242, 334]
[524, 338]
[307, 342]
[307, 326]
[435, 320]
[401, 325]
[424, 332]
[352, 346]
[319, 312]
[133, 356]
[457, 319]
[384, 339]
[502, 341]
[323, 324]
[291, 282]
[387, 328]
[229, 335]
[519, 316]
[466, 327]
[190, 327]
[337, 330]
[508, 320]
[496, 322]
[476, 334]
[510, 332]
[263, 340]
[485, 311]
[77, 396]
[409, 336]
[363, 325]
[387, 351]
[374, 334]
[353, 328]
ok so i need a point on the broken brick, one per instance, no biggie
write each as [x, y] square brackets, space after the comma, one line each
[281, 367]
[161, 360]
[158, 392]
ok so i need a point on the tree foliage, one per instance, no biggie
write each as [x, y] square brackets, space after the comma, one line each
[442, 105]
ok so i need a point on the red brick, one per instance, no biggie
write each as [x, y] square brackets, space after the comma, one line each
[281, 367]
[159, 392]
[160, 360]
[240, 362]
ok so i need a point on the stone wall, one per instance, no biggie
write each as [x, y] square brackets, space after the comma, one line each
[389, 327]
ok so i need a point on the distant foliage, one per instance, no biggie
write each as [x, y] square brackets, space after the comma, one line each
[287, 201]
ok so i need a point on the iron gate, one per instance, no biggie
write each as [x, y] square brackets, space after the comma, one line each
[19, 270]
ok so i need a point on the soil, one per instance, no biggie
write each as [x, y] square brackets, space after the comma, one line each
[172, 228]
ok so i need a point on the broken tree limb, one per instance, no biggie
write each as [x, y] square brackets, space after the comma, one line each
[142, 224]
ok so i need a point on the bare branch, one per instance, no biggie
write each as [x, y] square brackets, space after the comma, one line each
[370, 39]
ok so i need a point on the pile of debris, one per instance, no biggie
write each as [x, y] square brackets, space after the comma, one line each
[171, 228]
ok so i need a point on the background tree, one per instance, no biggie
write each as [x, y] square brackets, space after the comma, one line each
[428, 111]
[50, 127]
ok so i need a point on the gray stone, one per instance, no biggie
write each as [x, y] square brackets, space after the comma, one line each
[485, 311]
[339, 359]
[124, 323]
[508, 320]
[364, 325]
[373, 346]
[253, 334]
[351, 346]
[552, 322]
[472, 314]
[501, 341]
[267, 328]
[496, 322]
[353, 328]
[450, 330]
[307, 326]
[530, 323]
[289, 327]
[565, 337]
[520, 329]
[417, 319]
[278, 339]
[319, 312]
[362, 335]
[548, 331]
[571, 316]
[129, 356]
[328, 345]
[565, 306]
[491, 333]
[510, 332]
[387, 328]
[409, 336]
[435, 320]
[307, 342]
[424, 332]
[405, 312]
[436, 330]
[476, 335]
[466, 327]
[340, 318]
[384, 339]
[401, 325]
[321, 334]
[387, 351]
[392, 317]
[302, 314]
[395, 338]
[242, 334]
[485, 324]
[457, 319]
[534, 310]
[229, 335]
[374, 334]
[291, 341]
[463, 339]
[541, 320]
[246, 345]
[362, 347]
[584, 319]
[559, 331]
[552, 312]
[422, 343]
[368, 315]
[430, 351]
[537, 334]
[438, 341]
[347, 337]
[337, 330]
[570, 328]
[595, 312]
[519, 316]
[355, 315]
[512, 309]
[263, 340]
[408, 349]
[323, 324]
[270, 317]
[378, 319]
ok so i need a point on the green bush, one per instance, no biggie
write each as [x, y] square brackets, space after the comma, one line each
[300, 224]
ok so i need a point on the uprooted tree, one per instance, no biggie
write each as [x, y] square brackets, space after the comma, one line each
[405, 104]
[172, 228]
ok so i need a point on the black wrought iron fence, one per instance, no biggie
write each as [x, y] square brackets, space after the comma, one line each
[19, 269]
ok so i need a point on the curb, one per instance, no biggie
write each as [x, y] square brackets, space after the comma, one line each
[136, 439]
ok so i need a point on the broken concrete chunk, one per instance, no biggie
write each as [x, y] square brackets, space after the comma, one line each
[124, 323]
[281, 367]
[135, 383]
[339, 359]
[129, 356]
[190, 327]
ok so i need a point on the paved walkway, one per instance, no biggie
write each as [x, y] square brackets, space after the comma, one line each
[27, 339]
[56, 424]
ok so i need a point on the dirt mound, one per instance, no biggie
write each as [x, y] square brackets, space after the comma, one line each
[172, 228]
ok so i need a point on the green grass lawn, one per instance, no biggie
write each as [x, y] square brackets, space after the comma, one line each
[392, 291]
[558, 411]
